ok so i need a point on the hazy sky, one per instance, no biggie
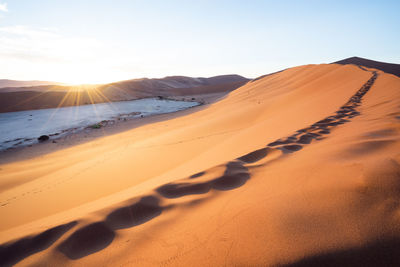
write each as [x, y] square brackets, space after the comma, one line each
[102, 41]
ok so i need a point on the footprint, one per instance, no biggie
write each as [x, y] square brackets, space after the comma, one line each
[280, 142]
[254, 156]
[234, 176]
[290, 148]
[12, 253]
[144, 210]
[175, 190]
[197, 175]
[307, 138]
[87, 240]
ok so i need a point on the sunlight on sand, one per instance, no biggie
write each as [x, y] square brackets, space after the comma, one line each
[298, 167]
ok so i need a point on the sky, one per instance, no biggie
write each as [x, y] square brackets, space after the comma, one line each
[105, 41]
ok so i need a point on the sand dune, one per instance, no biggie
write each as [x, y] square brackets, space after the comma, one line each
[299, 168]
[383, 66]
[4, 83]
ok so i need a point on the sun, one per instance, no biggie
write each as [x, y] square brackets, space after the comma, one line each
[84, 74]
[86, 79]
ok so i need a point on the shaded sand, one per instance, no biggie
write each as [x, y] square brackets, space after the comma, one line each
[296, 168]
[383, 66]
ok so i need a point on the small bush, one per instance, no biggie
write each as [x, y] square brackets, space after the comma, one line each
[96, 126]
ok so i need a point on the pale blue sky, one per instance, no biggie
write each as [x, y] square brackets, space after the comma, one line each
[102, 41]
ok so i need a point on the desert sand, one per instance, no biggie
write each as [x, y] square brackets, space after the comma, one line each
[300, 168]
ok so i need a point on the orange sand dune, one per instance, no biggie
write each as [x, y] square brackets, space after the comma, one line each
[300, 167]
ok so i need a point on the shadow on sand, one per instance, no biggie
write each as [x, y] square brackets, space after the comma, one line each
[377, 254]
[99, 235]
[12, 253]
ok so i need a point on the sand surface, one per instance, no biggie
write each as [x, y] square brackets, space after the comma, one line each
[300, 167]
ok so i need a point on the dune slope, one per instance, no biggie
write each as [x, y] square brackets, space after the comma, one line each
[383, 66]
[296, 168]
[13, 83]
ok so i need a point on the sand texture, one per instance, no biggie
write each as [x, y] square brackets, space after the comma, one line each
[297, 168]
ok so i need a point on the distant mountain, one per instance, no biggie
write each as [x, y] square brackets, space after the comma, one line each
[176, 82]
[386, 67]
[175, 85]
[14, 83]
[50, 96]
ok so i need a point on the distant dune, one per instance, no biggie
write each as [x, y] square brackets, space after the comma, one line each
[12, 83]
[296, 168]
[386, 67]
[51, 96]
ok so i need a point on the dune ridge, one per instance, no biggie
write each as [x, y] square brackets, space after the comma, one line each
[383, 66]
[6, 83]
[216, 203]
